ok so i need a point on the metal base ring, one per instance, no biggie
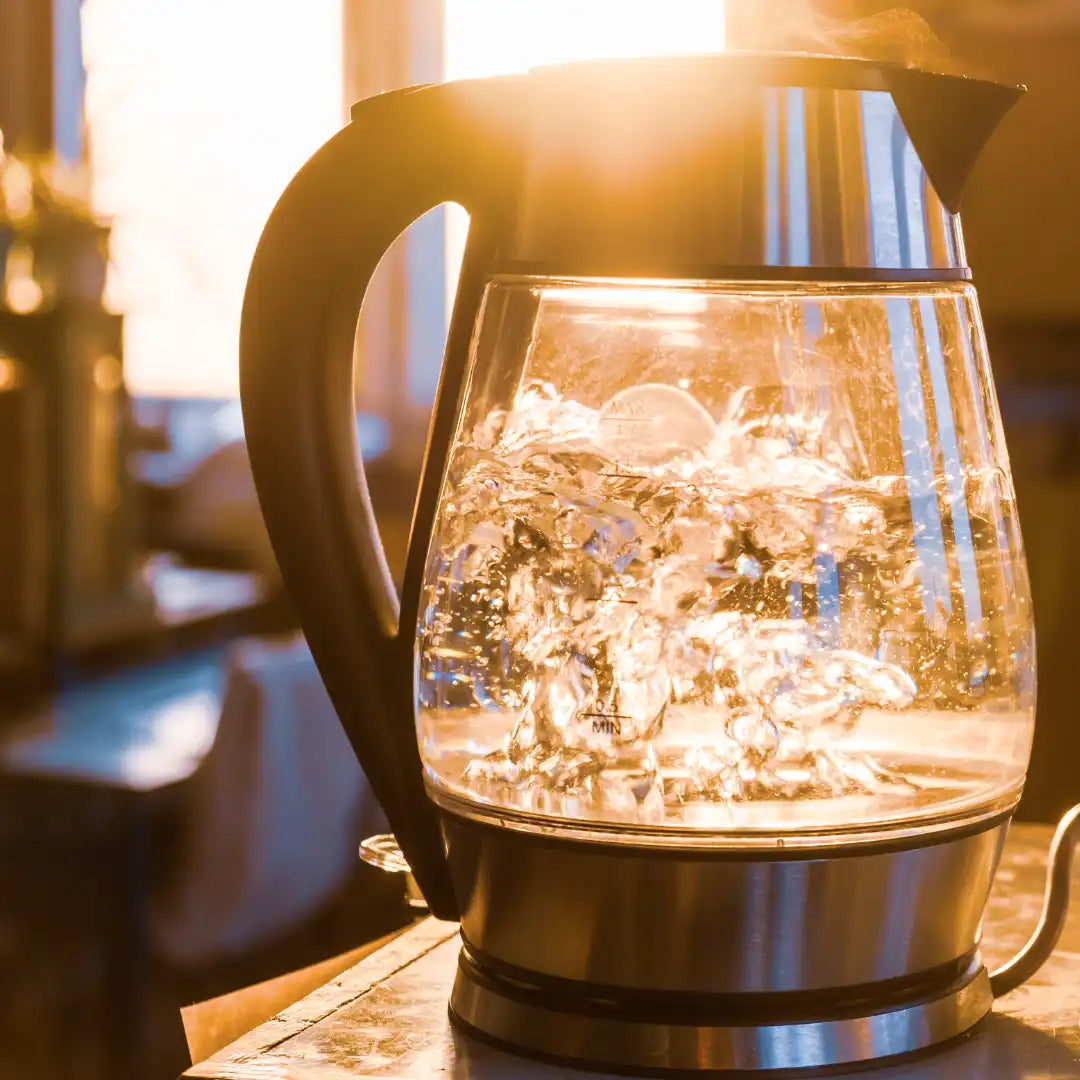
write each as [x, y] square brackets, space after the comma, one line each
[530, 1022]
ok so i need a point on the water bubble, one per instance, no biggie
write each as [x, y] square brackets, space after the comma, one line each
[748, 567]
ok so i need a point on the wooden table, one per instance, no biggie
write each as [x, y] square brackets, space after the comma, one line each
[386, 1016]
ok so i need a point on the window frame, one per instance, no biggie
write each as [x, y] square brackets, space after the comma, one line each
[402, 330]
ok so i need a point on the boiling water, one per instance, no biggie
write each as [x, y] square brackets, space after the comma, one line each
[642, 614]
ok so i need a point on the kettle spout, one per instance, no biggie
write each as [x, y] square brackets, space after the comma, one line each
[949, 119]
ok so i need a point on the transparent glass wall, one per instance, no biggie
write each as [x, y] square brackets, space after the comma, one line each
[738, 560]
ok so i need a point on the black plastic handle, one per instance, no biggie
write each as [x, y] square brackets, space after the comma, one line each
[403, 154]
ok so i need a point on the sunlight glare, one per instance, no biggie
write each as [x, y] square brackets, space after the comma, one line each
[483, 38]
[199, 113]
[659, 298]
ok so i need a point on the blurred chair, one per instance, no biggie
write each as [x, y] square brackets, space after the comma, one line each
[197, 490]
[274, 817]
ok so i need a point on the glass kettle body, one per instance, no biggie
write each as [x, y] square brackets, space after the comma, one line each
[715, 613]
[734, 560]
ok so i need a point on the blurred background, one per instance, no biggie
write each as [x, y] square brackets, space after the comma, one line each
[179, 812]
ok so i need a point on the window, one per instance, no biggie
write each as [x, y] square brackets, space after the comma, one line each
[198, 114]
[485, 38]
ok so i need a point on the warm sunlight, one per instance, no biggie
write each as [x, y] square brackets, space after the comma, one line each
[485, 38]
[197, 121]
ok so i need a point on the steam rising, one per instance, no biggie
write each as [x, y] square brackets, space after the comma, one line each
[897, 35]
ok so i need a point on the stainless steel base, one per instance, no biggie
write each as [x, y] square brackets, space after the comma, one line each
[611, 918]
[609, 1035]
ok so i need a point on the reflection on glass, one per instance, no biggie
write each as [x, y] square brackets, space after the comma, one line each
[879, 121]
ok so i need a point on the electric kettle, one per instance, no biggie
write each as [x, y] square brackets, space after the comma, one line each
[710, 689]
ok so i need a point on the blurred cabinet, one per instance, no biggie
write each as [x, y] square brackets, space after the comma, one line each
[23, 573]
[69, 558]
